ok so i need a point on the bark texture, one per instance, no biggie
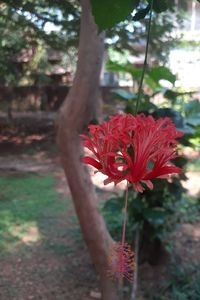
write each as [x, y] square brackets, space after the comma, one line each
[77, 110]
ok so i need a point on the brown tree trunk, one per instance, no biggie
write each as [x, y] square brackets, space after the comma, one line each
[77, 110]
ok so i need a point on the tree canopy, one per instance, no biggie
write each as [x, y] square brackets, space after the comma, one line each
[55, 24]
[27, 23]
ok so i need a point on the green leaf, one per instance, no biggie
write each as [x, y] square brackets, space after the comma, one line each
[124, 68]
[160, 73]
[124, 94]
[171, 95]
[155, 216]
[151, 83]
[162, 5]
[141, 14]
[137, 205]
[194, 120]
[172, 114]
[108, 13]
[113, 205]
[192, 108]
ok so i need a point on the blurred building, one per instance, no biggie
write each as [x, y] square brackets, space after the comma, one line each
[185, 61]
[52, 70]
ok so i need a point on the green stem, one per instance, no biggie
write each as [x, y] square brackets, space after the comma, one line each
[123, 237]
[125, 212]
[145, 59]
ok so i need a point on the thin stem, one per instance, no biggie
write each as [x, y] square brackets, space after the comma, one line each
[125, 213]
[123, 237]
[135, 278]
[145, 59]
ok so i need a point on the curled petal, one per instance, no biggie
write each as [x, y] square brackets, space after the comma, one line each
[149, 184]
[91, 161]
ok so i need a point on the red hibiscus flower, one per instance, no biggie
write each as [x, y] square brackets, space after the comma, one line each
[133, 148]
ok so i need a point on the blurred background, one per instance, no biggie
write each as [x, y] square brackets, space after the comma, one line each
[43, 255]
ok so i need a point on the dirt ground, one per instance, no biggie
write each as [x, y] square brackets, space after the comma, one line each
[58, 267]
[64, 273]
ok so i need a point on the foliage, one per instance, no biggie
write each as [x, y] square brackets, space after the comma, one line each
[179, 105]
[179, 286]
[189, 209]
[24, 24]
[156, 212]
[118, 8]
[35, 15]
[131, 33]
[107, 14]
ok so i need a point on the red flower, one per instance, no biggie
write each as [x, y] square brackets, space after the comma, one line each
[121, 261]
[135, 148]
[104, 143]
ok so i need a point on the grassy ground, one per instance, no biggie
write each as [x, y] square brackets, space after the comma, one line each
[42, 254]
[25, 203]
[41, 249]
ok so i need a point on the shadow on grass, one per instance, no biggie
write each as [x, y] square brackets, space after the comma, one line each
[28, 203]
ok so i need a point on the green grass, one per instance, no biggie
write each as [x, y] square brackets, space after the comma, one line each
[28, 206]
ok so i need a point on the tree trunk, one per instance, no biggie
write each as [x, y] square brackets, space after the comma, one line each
[77, 110]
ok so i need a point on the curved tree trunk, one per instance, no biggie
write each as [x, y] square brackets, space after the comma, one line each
[77, 110]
